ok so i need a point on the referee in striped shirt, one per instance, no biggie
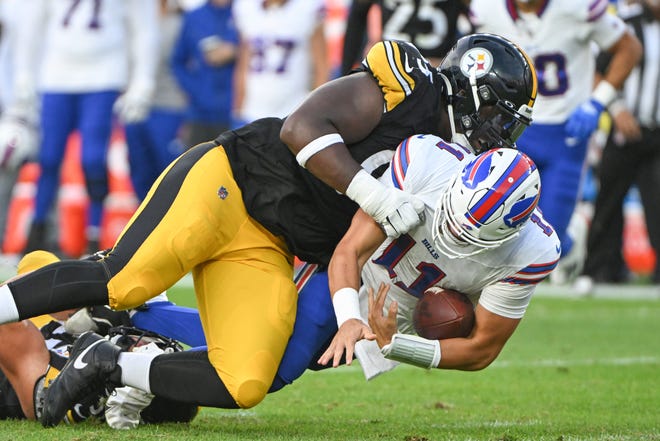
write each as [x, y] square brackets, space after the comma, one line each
[632, 154]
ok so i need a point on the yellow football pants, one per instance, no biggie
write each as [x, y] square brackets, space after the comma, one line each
[194, 219]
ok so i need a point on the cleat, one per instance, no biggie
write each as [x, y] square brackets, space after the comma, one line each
[91, 362]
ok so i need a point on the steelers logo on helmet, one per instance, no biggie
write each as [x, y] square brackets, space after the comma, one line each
[477, 61]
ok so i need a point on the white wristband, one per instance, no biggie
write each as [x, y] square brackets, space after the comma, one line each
[346, 304]
[414, 350]
[316, 146]
[604, 93]
[362, 187]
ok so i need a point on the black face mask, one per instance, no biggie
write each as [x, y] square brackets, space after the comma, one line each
[495, 126]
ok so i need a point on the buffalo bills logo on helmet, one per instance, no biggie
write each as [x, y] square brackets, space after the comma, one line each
[487, 203]
[521, 211]
[477, 60]
[476, 171]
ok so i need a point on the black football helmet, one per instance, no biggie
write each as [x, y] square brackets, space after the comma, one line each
[491, 89]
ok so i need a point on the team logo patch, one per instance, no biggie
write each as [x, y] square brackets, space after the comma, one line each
[223, 193]
[477, 60]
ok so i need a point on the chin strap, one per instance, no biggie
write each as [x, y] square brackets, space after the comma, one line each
[456, 137]
[450, 106]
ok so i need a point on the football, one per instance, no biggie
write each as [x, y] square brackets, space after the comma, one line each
[443, 313]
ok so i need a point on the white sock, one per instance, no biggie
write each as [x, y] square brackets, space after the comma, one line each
[8, 311]
[135, 369]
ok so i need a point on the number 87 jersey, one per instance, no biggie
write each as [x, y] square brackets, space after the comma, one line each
[502, 186]
[277, 41]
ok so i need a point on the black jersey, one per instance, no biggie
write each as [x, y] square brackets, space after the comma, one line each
[288, 200]
[431, 25]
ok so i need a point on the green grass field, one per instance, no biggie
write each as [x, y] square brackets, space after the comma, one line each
[576, 369]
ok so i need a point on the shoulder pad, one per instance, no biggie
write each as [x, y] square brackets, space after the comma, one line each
[399, 68]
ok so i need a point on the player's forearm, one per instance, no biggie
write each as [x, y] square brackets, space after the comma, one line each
[466, 355]
[626, 54]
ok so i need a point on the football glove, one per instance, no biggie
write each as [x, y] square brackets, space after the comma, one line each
[132, 107]
[396, 211]
[96, 318]
[584, 120]
[19, 141]
[124, 405]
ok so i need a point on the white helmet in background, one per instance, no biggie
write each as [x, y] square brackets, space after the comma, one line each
[487, 203]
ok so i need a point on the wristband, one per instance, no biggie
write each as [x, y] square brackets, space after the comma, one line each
[362, 187]
[414, 350]
[347, 305]
[316, 146]
[604, 93]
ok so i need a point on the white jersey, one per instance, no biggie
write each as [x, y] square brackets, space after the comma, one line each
[169, 94]
[9, 12]
[90, 45]
[559, 41]
[501, 279]
[280, 66]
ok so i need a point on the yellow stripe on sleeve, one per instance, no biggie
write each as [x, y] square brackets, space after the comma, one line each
[384, 60]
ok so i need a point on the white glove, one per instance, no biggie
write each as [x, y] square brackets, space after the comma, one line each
[371, 360]
[132, 107]
[19, 141]
[124, 405]
[122, 410]
[396, 211]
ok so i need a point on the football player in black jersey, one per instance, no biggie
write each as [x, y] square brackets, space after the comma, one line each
[235, 212]
[431, 25]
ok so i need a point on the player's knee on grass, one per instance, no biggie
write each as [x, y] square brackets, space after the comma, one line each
[250, 393]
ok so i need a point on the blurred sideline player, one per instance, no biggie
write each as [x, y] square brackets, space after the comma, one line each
[483, 236]
[203, 62]
[18, 129]
[152, 143]
[631, 156]
[209, 213]
[75, 55]
[432, 26]
[282, 55]
[558, 36]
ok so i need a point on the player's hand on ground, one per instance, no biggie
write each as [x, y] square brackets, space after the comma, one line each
[384, 326]
[349, 333]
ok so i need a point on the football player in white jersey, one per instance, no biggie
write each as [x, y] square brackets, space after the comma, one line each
[482, 236]
[559, 35]
[18, 134]
[84, 57]
[282, 55]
